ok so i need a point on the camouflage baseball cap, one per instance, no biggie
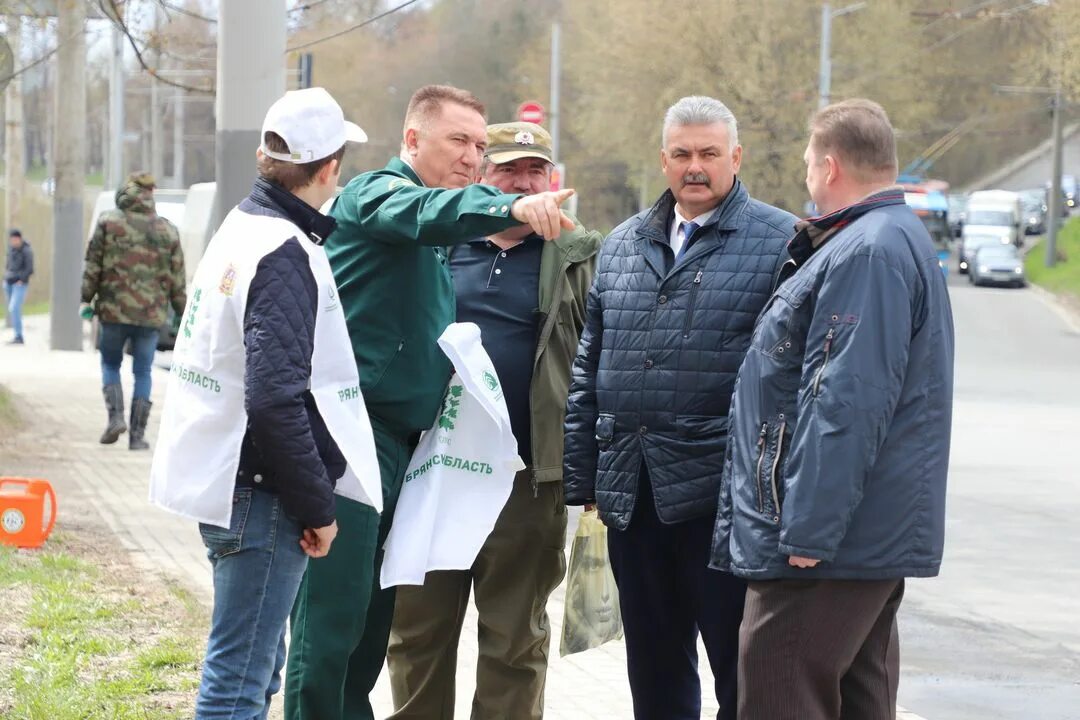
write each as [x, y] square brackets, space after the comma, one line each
[143, 179]
[514, 140]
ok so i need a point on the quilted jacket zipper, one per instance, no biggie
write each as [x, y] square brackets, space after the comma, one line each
[690, 306]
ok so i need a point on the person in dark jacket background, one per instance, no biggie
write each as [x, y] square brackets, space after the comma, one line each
[667, 322]
[17, 272]
[834, 488]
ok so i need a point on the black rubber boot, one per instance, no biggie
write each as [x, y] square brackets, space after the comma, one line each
[140, 414]
[114, 403]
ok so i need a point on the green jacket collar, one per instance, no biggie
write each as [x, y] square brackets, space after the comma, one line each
[399, 166]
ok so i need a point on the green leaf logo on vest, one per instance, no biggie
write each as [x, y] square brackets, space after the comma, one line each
[451, 405]
[491, 381]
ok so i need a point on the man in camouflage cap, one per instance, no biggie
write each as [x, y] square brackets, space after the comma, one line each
[134, 270]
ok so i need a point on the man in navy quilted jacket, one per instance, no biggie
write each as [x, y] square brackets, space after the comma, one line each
[667, 324]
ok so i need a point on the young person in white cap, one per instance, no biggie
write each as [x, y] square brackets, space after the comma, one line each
[264, 421]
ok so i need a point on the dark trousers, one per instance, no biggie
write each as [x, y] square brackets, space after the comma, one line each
[820, 650]
[668, 595]
[341, 621]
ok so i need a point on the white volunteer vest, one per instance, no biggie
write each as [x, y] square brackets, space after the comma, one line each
[198, 449]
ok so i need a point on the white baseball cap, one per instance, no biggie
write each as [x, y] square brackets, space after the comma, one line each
[311, 124]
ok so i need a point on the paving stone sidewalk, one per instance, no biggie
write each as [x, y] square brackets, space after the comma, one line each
[61, 393]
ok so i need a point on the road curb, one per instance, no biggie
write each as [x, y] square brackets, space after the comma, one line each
[1053, 300]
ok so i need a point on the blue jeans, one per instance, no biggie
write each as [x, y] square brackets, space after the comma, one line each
[143, 347]
[258, 565]
[16, 295]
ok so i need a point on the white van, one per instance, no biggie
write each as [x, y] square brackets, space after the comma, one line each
[996, 212]
[991, 216]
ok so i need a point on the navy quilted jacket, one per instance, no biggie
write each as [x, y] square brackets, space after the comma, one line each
[287, 448]
[657, 361]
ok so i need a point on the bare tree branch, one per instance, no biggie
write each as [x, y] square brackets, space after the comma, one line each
[111, 11]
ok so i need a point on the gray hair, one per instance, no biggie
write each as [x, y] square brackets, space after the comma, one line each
[700, 110]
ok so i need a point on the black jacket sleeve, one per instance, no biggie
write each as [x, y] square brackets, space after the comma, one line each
[279, 335]
[28, 263]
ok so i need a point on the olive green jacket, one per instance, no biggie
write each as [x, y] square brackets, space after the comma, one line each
[567, 266]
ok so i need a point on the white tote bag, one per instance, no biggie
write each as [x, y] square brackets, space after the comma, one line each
[461, 473]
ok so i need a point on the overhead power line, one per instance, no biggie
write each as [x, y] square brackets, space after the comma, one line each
[349, 29]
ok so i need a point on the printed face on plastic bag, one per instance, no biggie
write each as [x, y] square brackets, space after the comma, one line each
[592, 615]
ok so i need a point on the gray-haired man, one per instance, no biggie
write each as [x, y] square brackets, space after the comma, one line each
[668, 321]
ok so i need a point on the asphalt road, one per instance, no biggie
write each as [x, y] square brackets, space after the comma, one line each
[997, 635]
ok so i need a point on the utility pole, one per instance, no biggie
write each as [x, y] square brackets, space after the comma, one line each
[251, 76]
[553, 106]
[825, 61]
[178, 138]
[115, 174]
[157, 134]
[1054, 206]
[69, 149]
[14, 162]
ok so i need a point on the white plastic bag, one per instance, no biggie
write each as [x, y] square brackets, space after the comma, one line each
[461, 473]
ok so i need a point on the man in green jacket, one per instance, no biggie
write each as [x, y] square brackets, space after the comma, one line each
[389, 260]
[528, 298]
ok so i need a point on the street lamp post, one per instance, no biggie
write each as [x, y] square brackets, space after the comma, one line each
[825, 66]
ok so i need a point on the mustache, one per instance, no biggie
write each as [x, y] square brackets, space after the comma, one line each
[696, 179]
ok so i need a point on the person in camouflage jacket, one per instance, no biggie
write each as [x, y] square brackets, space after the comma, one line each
[134, 270]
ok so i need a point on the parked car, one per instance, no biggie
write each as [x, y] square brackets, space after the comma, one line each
[957, 209]
[1035, 209]
[971, 244]
[997, 264]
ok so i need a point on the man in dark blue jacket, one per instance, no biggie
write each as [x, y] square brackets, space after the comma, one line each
[667, 322]
[834, 485]
[17, 272]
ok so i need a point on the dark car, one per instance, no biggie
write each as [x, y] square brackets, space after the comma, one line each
[1035, 209]
[997, 264]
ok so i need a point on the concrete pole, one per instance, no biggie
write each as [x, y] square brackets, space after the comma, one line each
[157, 133]
[157, 141]
[250, 77]
[14, 147]
[178, 139]
[556, 67]
[69, 150]
[825, 62]
[115, 175]
[1054, 206]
